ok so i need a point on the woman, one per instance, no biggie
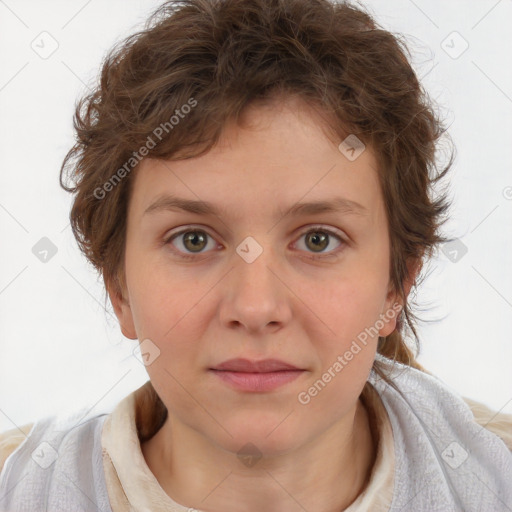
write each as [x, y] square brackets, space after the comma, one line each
[293, 140]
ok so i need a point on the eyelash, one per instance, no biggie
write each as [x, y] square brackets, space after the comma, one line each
[316, 229]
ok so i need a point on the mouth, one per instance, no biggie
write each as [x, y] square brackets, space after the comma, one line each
[256, 376]
[247, 366]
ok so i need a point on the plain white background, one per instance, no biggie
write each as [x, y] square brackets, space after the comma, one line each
[59, 348]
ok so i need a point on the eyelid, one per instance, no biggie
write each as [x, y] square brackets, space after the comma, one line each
[192, 227]
[321, 227]
[333, 232]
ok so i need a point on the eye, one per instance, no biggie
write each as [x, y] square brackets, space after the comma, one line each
[192, 242]
[318, 239]
[189, 242]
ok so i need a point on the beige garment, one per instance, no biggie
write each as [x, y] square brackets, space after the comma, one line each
[133, 488]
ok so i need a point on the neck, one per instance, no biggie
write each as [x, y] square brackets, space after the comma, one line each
[193, 472]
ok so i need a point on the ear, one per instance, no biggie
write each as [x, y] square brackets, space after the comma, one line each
[122, 310]
[413, 269]
[393, 299]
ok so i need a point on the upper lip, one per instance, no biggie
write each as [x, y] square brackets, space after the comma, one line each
[264, 366]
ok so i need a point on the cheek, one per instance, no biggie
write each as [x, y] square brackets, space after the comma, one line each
[349, 305]
[163, 299]
[174, 315]
[351, 309]
[346, 355]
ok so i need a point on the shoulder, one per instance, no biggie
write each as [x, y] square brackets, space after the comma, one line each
[436, 432]
[11, 439]
[438, 404]
[62, 425]
[69, 442]
[55, 430]
[496, 422]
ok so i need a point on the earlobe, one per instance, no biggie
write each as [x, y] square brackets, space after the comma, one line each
[394, 303]
[390, 316]
[413, 269]
[123, 312]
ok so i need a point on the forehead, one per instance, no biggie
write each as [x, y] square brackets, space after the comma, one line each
[277, 154]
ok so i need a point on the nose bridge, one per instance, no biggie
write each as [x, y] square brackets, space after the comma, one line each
[255, 259]
[255, 296]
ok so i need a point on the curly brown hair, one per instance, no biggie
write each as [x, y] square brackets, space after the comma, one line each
[219, 56]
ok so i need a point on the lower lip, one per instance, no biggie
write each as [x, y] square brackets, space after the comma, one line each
[257, 381]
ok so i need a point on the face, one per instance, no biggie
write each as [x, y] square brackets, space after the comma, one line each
[259, 278]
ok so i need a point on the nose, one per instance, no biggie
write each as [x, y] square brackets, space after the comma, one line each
[254, 296]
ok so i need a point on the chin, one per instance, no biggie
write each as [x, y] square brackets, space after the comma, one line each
[271, 438]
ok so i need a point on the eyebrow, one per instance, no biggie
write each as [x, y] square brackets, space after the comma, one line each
[336, 205]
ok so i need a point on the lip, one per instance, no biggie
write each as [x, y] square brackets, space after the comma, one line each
[264, 366]
[256, 376]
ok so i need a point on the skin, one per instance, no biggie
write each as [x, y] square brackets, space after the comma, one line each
[283, 305]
